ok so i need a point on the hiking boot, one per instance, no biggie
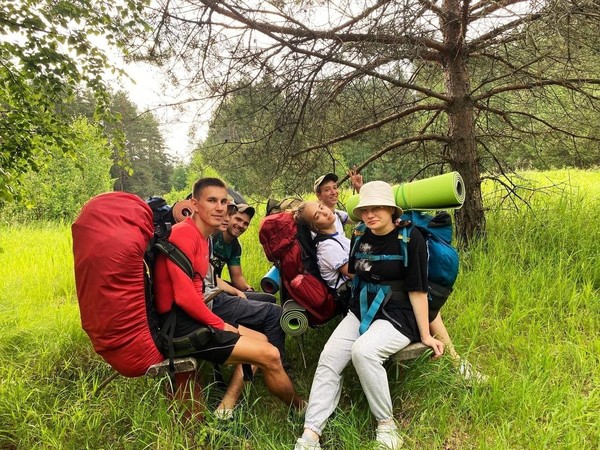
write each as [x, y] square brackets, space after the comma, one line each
[305, 444]
[388, 438]
[469, 373]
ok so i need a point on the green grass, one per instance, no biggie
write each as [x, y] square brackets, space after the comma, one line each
[525, 310]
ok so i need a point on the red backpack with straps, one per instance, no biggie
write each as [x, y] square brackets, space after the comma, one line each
[110, 238]
[116, 239]
[278, 236]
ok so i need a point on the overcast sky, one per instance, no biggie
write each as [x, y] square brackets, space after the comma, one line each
[148, 91]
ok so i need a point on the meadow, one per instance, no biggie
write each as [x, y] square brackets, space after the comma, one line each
[525, 311]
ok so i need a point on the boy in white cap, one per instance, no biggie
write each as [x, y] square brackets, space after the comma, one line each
[326, 189]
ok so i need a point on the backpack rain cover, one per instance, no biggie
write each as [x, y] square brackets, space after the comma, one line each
[110, 237]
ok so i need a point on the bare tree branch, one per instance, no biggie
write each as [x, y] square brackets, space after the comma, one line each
[271, 29]
[569, 84]
[402, 143]
[373, 126]
[484, 40]
[506, 117]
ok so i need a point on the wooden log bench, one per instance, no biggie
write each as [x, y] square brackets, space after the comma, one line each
[189, 394]
[187, 364]
[410, 352]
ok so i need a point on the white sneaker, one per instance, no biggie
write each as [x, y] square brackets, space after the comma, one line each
[389, 438]
[469, 373]
[305, 444]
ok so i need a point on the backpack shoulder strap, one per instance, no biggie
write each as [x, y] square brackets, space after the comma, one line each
[323, 237]
[360, 229]
[175, 255]
[403, 239]
[358, 233]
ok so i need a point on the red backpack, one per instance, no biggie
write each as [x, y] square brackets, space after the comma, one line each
[278, 235]
[116, 239]
[110, 238]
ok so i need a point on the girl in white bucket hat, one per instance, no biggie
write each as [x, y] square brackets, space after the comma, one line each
[388, 311]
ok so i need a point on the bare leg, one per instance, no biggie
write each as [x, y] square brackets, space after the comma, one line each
[266, 357]
[234, 390]
[236, 383]
[464, 367]
[438, 329]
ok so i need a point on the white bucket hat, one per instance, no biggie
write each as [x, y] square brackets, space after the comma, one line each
[376, 193]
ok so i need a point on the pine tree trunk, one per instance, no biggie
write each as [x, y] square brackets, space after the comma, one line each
[462, 150]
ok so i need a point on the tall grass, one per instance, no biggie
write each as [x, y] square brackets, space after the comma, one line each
[525, 311]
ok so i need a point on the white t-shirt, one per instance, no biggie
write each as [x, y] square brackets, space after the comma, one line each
[331, 255]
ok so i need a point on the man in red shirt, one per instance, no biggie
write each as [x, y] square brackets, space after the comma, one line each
[174, 289]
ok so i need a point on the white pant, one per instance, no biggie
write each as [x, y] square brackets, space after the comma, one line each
[368, 353]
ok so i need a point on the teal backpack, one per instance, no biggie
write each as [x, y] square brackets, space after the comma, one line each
[442, 264]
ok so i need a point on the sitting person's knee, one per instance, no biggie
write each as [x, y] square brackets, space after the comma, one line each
[270, 356]
[362, 351]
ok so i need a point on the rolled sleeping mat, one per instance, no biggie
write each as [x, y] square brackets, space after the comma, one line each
[182, 210]
[441, 192]
[294, 320]
[271, 281]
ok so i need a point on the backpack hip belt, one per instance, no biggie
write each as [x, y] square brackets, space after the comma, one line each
[383, 292]
[188, 344]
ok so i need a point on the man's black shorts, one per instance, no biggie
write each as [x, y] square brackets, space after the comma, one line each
[217, 349]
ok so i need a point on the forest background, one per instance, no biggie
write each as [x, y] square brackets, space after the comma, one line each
[402, 90]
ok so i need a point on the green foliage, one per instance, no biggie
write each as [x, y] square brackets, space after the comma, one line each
[67, 181]
[146, 168]
[242, 146]
[250, 144]
[142, 165]
[179, 178]
[524, 311]
[29, 127]
[47, 50]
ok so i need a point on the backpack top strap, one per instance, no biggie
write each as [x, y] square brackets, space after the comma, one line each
[323, 237]
[358, 233]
